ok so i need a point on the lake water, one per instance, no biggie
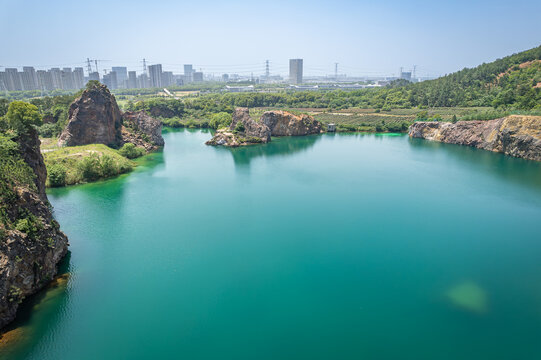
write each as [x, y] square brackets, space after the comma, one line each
[343, 246]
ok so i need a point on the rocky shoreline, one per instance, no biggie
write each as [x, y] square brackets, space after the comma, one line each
[245, 131]
[515, 135]
[32, 247]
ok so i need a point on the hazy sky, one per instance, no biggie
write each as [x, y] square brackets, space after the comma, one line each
[364, 37]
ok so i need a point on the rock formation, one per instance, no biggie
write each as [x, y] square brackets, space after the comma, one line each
[142, 130]
[283, 123]
[31, 244]
[244, 130]
[94, 118]
[515, 135]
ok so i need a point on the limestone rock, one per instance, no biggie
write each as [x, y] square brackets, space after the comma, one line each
[283, 123]
[142, 130]
[94, 118]
[275, 123]
[515, 135]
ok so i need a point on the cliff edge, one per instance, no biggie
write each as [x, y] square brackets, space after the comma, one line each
[31, 243]
[515, 135]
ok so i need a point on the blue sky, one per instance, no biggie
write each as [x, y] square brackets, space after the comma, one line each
[364, 37]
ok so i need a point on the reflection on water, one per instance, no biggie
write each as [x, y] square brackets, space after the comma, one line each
[470, 296]
[524, 172]
[242, 156]
[46, 308]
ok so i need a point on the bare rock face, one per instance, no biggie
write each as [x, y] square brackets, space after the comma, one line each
[251, 127]
[142, 130]
[31, 243]
[515, 135]
[94, 118]
[283, 123]
[276, 123]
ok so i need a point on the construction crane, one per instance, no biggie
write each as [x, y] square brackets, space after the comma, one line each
[89, 64]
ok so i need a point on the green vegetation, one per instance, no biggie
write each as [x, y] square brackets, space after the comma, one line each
[73, 165]
[131, 151]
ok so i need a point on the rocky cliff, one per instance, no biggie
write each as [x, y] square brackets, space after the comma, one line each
[283, 123]
[142, 130]
[515, 135]
[31, 243]
[244, 130]
[94, 118]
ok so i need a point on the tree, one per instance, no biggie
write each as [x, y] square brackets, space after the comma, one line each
[21, 116]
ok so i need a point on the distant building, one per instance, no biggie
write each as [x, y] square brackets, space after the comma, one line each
[121, 75]
[188, 73]
[406, 75]
[142, 81]
[132, 80]
[225, 77]
[167, 78]
[67, 79]
[78, 78]
[45, 81]
[29, 78]
[197, 76]
[94, 76]
[239, 88]
[13, 79]
[110, 80]
[295, 71]
[155, 74]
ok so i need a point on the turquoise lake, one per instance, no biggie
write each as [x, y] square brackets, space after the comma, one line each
[337, 246]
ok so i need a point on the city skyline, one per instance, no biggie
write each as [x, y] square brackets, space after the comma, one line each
[364, 38]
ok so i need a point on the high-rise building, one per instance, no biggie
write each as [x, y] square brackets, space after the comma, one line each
[67, 79]
[225, 77]
[78, 78]
[295, 71]
[155, 73]
[197, 76]
[29, 78]
[167, 78]
[121, 76]
[110, 80]
[13, 79]
[56, 75]
[45, 80]
[142, 81]
[132, 80]
[94, 76]
[188, 73]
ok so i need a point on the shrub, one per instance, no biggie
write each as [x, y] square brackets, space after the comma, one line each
[57, 175]
[89, 167]
[220, 120]
[131, 151]
[239, 127]
[48, 130]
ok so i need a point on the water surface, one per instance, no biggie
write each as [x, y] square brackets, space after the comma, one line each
[342, 246]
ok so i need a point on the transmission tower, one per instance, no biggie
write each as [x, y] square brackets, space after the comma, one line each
[88, 66]
[336, 71]
[414, 68]
[144, 66]
[267, 71]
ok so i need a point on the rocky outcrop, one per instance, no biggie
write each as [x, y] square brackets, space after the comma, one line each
[94, 118]
[31, 243]
[245, 131]
[515, 135]
[283, 123]
[142, 130]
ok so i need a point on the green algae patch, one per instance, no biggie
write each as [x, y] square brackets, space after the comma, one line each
[468, 296]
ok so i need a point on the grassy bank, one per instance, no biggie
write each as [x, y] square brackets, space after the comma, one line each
[81, 164]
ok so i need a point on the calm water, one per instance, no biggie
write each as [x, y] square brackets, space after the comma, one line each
[319, 247]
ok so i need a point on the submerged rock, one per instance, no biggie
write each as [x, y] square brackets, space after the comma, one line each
[515, 135]
[94, 118]
[245, 131]
[469, 296]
